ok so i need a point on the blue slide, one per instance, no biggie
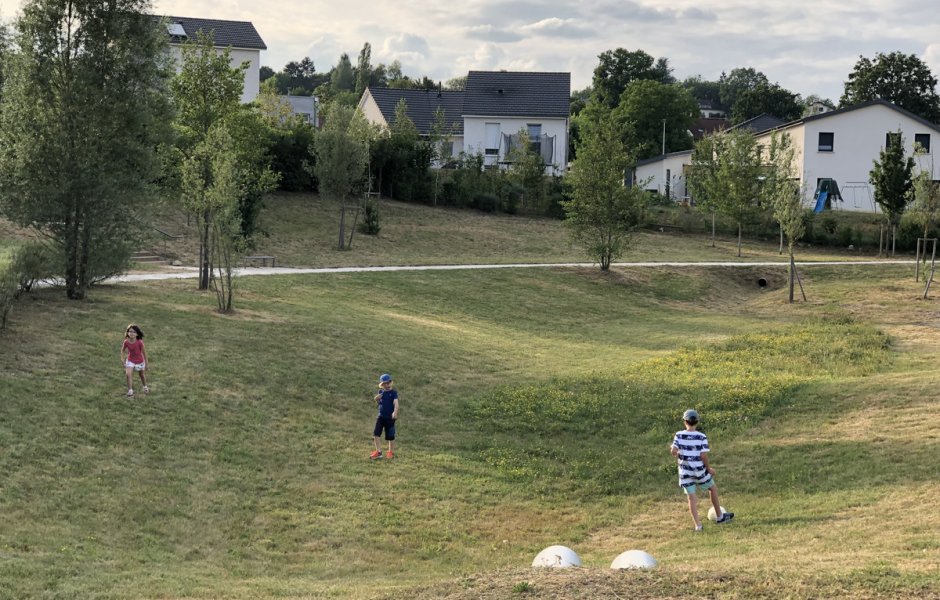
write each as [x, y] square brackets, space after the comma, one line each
[821, 202]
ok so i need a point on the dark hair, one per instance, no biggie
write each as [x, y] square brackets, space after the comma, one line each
[140, 333]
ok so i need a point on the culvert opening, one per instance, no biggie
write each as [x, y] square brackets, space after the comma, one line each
[761, 282]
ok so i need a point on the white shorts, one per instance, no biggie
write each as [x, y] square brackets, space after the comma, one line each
[136, 366]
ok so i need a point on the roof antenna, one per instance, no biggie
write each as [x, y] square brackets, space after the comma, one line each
[440, 89]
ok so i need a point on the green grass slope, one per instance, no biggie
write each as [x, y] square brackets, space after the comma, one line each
[537, 406]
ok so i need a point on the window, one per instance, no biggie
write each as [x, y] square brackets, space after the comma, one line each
[535, 137]
[826, 141]
[491, 148]
[892, 138]
[923, 140]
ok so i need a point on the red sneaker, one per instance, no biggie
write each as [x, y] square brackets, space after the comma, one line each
[389, 455]
[376, 454]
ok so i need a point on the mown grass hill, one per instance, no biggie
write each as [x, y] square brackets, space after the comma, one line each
[537, 406]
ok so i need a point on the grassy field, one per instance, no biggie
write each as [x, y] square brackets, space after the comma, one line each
[302, 231]
[537, 407]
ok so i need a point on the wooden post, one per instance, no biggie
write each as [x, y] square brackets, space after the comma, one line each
[792, 276]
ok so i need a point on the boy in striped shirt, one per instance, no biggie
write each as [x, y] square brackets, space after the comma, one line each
[690, 447]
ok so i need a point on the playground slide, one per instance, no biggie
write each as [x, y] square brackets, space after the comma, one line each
[821, 202]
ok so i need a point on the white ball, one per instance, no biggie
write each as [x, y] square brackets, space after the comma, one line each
[711, 513]
[558, 557]
[633, 559]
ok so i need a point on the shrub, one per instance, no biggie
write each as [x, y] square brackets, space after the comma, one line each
[32, 262]
[370, 224]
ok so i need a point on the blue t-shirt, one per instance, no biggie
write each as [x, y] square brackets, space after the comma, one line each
[387, 403]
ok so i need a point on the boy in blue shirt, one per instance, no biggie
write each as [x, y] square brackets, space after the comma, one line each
[387, 401]
[690, 447]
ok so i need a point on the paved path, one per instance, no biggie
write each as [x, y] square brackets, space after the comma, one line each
[193, 273]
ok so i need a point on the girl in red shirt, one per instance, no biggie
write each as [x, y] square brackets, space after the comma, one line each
[134, 357]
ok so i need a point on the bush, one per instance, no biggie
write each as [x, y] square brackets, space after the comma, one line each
[370, 224]
[9, 290]
[32, 262]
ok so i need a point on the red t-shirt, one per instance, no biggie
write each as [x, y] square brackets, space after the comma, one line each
[135, 351]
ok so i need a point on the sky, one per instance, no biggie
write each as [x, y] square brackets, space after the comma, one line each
[807, 46]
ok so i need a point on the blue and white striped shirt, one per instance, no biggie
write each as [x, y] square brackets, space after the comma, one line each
[691, 445]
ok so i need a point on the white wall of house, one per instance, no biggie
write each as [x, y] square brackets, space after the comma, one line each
[858, 137]
[238, 55]
[475, 140]
[666, 176]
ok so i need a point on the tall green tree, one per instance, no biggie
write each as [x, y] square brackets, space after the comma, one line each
[725, 174]
[650, 109]
[207, 91]
[602, 212]
[902, 79]
[768, 99]
[616, 69]
[209, 179]
[343, 79]
[341, 150]
[891, 177]
[364, 68]
[84, 109]
[732, 85]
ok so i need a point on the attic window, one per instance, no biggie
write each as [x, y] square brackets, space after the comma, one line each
[176, 29]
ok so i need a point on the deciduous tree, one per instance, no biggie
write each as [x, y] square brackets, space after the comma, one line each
[341, 150]
[649, 109]
[84, 109]
[616, 69]
[780, 189]
[902, 79]
[603, 212]
[891, 178]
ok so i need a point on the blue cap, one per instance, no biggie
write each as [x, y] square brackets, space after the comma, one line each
[690, 415]
[385, 377]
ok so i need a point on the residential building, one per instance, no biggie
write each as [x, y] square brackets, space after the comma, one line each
[488, 114]
[308, 107]
[239, 36]
[834, 152]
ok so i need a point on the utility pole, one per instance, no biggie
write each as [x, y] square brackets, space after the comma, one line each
[664, 137]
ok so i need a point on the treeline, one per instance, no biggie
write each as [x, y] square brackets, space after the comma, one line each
[658, 111]
[345, 82]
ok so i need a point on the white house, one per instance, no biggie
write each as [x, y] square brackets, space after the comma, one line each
[308, 107]
[487, 116]
[239, 36]
[835, 151]
[842, 145]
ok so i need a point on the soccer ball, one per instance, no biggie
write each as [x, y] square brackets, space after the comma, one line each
[633, 559]
[558, 557]
[711, 513]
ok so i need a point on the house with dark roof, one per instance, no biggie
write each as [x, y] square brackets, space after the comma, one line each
[486, 117]
[834, 153]
[240, 37]
[835, 150]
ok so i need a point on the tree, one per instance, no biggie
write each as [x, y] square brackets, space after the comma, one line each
[926, 206]
[738, 81]
[781, 190]
[207, 91]
[602, 212]
[646, 108]
[364, 69]
[891, 179]
[209, 181]
[616, 69]
[343, 79]
[527, 171]
[725, 173]
[902, 79]
[84, 110]
[457, 84]
[768, 99]
[341, 150]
